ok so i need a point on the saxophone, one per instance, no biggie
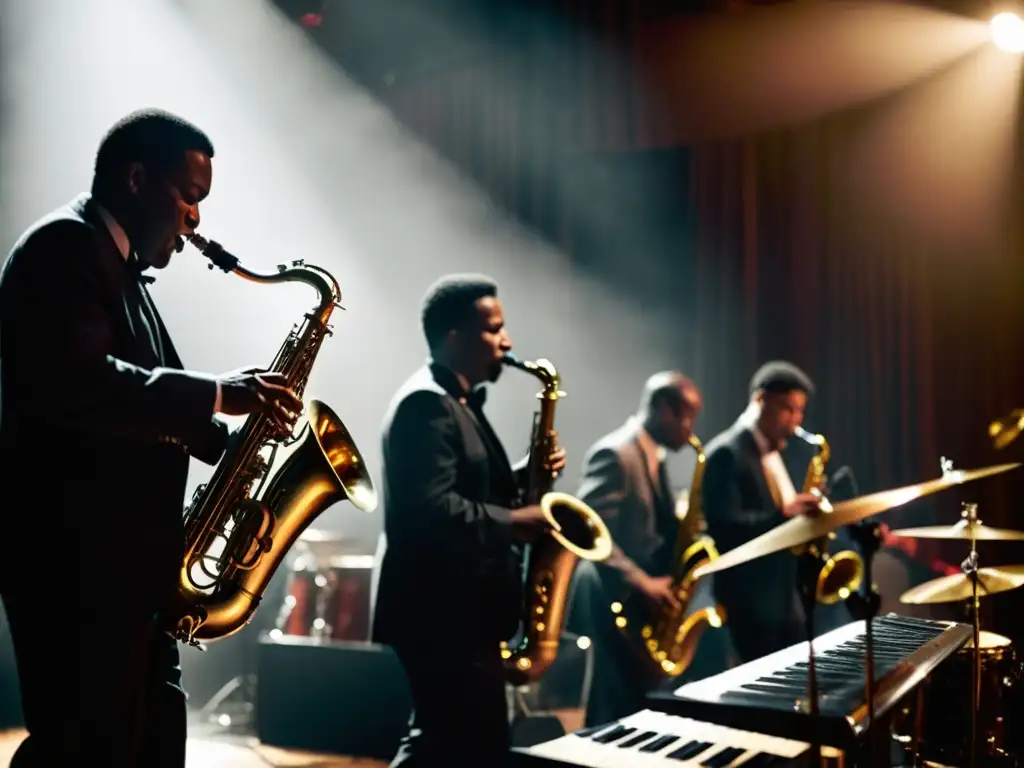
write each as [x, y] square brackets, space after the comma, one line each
[577, 531]
[840, 574]
[669, 638]
[237, 535]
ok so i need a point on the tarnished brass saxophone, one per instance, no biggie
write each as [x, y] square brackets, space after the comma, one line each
[840, 574]
[576, 532]
[669, 638]
[237, 535]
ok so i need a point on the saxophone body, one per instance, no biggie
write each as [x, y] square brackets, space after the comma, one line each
[240, 525]
[840, 574]
[576, 532]
[669, 637]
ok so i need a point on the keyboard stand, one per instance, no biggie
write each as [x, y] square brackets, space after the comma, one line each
[808, 570]
[865, 605]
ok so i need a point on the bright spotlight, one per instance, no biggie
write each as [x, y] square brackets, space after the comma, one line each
[1008, 32]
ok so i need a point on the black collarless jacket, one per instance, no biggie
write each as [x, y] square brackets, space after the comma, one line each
[97, 423]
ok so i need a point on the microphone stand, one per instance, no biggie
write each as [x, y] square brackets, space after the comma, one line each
[865, 605]
[808, 569]
[970, 568]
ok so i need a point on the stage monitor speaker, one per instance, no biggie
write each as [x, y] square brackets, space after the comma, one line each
[343, 698]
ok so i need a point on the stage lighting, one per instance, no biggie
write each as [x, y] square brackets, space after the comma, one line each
[1007, 31]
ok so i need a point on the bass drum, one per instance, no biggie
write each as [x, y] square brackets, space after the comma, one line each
[329, 603]
[945, 711]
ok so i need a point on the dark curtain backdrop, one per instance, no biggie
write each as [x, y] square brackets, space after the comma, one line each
[915, 343]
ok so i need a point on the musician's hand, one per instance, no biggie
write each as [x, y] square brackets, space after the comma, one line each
[556, 462]
[244, 393]
[802, 504]
[658, 590]
[528, 523]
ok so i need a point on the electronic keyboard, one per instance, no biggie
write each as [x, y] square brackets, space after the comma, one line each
[770, 695]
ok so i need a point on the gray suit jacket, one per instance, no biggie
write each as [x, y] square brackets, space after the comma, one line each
[617, 485]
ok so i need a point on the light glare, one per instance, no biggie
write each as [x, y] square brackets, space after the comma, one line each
[1008, 32]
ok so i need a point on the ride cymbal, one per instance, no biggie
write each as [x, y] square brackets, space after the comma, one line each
[801, 530]
[962, 530]
[958, 587]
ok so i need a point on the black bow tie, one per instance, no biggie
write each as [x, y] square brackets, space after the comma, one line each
[135, 268]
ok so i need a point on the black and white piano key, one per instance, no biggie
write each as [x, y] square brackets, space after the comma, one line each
[647, 739]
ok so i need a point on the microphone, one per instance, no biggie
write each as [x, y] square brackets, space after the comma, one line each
[843, 485]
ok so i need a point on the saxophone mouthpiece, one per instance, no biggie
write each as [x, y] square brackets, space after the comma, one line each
[215, 252]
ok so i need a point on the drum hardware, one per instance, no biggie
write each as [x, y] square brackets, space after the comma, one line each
[804, 529]
[967, 586]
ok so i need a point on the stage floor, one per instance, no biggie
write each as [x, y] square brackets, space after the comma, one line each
[229, 752]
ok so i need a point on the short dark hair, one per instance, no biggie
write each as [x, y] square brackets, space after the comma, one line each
[154, 137]
[448, 304]
[781, 376]
[665, 387]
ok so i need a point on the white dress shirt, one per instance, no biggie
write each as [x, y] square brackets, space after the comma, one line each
[779, 482]
[120, 238]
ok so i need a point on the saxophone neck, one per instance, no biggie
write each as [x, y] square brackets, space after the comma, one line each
[816, 469]
[542, 369]
[318, 278]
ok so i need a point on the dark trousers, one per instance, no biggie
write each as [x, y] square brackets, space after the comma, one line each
[460, 713]
[620, 681]
[99, 690]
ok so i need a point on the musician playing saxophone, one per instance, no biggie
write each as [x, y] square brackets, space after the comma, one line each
[747, 491]
[99, 421]
[626, 482]
[450, 588]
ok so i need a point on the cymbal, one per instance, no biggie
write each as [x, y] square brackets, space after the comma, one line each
[803, 529]
[962, 530]
[958, 587]
[1005, 430]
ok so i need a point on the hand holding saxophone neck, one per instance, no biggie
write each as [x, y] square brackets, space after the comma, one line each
[215, 252]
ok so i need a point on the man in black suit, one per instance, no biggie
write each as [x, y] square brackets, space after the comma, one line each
[747, 491]
[98, 423]
[625, 482]
[450, 587]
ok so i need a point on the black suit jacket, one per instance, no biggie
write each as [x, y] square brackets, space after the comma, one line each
[95, 429]
[450, 572]
[738, 507]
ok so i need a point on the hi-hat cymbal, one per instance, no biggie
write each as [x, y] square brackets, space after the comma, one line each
[803, 529]
[962, 530]
[958, 587]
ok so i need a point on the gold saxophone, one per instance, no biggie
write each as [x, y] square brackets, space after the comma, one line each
[840, 574]
[669, 638]
[236, 536]
[576, 532]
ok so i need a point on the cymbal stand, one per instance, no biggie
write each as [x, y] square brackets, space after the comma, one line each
[808, 569]
[865, 605]
[970, 567]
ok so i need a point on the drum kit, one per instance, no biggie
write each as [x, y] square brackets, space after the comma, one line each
[993, 673]
[328, 591]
